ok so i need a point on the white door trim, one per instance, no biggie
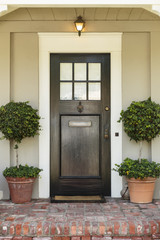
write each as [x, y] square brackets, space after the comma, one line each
[71, 43]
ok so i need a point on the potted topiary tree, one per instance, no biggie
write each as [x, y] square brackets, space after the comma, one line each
[141, 122]
[19, 120]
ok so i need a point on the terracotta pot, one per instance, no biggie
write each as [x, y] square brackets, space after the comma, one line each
[20, 189]
[141, 191]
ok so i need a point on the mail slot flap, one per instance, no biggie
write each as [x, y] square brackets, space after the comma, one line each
[80, 123]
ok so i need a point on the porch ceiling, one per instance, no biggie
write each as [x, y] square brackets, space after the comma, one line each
[89, 14]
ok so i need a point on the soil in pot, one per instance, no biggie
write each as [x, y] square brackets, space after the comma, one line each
[141, 191]
[20, 189]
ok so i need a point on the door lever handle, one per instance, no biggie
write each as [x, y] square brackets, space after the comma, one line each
[106, 136]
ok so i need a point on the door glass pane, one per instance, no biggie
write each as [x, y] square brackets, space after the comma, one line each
[80, 91]
[94, 91]
[65, 91]
[65, 71]
[80, 71]
[94, 72]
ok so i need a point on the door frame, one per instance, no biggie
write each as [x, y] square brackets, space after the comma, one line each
[87, 43]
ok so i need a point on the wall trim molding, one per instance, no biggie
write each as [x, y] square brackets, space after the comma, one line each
[71, 43]
[67, 26]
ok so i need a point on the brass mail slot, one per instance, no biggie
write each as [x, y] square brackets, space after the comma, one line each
[79, 124]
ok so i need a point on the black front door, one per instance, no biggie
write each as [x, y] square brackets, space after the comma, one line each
[80, 124]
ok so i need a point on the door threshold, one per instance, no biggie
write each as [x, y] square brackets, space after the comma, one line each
[87, 199]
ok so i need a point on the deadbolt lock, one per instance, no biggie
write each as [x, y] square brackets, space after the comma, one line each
[106, 136]
[106, 108]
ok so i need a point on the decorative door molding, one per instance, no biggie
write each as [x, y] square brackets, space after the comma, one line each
[71, 43]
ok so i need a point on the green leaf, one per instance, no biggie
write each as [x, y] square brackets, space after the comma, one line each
[141, 120]
[22, 171]
[133, 169]
[19, 120]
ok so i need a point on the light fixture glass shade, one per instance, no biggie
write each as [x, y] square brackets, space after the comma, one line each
[79, 24]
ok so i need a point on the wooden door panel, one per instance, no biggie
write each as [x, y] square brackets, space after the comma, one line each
[77, 186]
[79, 155]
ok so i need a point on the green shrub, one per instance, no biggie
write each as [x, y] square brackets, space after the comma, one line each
[141, 120]
[18, 120]
[135, 169]
[22, 171]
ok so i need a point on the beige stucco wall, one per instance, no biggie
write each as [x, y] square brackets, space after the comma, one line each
[24, 87]
[20, 83]
[4, 98]
[155, 94]
[136, 83]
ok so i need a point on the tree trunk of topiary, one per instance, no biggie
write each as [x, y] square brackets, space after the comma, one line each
[16, 148]
[140, 151]
[17, 158]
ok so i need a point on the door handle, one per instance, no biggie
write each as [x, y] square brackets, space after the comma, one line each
[106, 135]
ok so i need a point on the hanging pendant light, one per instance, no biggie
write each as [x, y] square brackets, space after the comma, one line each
[79, 24]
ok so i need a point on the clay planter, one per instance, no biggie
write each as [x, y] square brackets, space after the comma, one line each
[141, 191]
[20, 189]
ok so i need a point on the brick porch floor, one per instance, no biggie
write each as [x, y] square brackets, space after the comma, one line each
[115, 219]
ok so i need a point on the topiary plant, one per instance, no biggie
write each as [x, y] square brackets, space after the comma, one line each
[18, 120]
[141, 121]
[22, 172]
[133, 169]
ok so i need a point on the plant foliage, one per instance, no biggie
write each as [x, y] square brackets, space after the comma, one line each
[18, 120]
[22, 171]
[134, 169]
[142, 120]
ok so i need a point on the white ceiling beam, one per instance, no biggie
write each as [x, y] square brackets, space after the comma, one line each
[79, 2]
[156, 9]
[5, 9]
[153, 9]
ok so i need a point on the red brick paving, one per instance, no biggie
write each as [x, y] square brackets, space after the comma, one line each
[116, 219]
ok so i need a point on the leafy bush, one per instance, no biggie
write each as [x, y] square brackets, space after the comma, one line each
[18, 120]
[142, 120]
[135, 169]
[22, 171]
